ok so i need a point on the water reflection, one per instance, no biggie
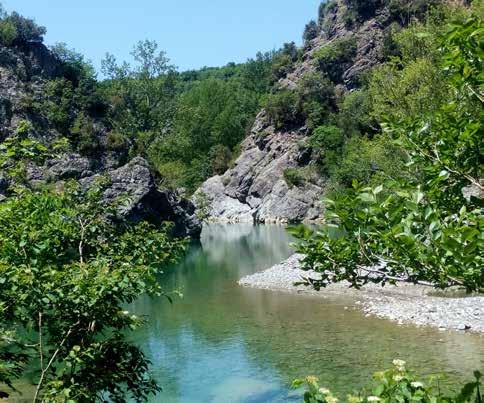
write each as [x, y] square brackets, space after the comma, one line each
[224, 343]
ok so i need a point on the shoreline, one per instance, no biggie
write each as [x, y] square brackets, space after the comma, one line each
[404, 304]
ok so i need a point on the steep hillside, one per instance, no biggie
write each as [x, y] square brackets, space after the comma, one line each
[49, 102]
[275, 178]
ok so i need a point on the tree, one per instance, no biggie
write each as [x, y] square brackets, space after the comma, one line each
[420, 228]
[142, 96]
[27, 30]
[67, 271]
[311, 31]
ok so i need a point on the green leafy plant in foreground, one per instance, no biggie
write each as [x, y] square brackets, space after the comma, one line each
[396, 384]
[67, 271]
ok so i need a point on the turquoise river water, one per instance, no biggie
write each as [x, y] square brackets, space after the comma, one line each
[223, 343]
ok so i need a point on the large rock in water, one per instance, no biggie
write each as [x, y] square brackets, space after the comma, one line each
[255, 190]
[146, 202]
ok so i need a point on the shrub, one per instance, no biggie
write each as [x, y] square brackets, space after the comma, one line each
[333, 59]
[117, 142]
[355, 114]
[316, 97]
[282, 108]
[365, 160]
[220, 156]
[326, 138]
[396, 384]
[364, 9]
[58, 105]
[293, 177]
[404, 10]
[84, 135]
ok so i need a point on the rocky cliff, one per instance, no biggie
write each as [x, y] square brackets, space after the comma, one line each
[26, 71]
[255, 188]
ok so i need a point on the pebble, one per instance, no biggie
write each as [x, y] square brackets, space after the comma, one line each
[405, 303]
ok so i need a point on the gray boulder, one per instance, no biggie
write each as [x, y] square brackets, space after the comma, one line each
[145, 202]
[68, 166]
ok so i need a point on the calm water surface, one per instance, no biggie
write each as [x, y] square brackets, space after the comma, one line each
[224, 343]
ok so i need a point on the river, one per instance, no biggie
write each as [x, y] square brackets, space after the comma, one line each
[223, 343]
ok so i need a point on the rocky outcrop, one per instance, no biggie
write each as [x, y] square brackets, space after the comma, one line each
[144, 201]
[255, 189]
[25, 70]
[133, 185]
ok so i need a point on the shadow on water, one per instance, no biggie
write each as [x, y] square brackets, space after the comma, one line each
[225, 343]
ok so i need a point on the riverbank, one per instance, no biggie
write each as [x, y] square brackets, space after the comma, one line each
[404, 303]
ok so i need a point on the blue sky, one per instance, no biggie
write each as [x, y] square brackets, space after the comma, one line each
[193, 33]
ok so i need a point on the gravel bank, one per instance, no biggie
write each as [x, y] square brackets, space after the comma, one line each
[405, 303]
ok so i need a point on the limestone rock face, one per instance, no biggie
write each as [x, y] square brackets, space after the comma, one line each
[254, 190]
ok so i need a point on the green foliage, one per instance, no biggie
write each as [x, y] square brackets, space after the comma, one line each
[419, 227]
[326, 138]
[311, 31]
[364, 8]
[396, 384]
[355, 114]
[283, 61]
[282, 108]
[58, 106]
[76, 68]
[8, 32]
[16, 151]
[365, 160]
[71, 281]
[293, 177]
[316, 98]
[404, 10]
[117, 142]
[220, 156]
[26, 30]
[142, 96]
[334, 58]
[84, 135]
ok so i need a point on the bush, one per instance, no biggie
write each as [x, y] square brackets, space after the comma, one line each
[396, 384]
[282, 108]
[117, 142]
[333, 59]
[74, 66]
[404, 10]
[316, 97]
[293, 177]
[220, 156]
[326, 138]
[58, 105]
[364, 9]
[365, 161]
[355, 114]
[85, 136]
